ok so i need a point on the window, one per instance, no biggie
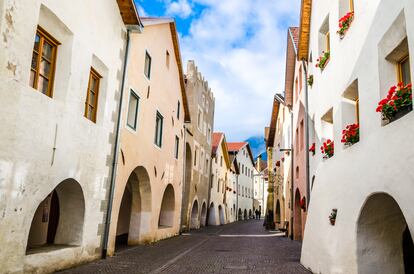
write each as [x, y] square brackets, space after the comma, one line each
[404, 73]
[91, 103]
[167, 59]
[328, 42]
[297, 140]
[147, 68]
[133, 110]
[300, 79]
[199, 118]
[178, 110]
[43, 62]
[209, 135]
[324, 37]
[351, 5]
[195, 156]
[177, 146]
[301, 135]
[296, 89]
[221, 160]
[158, 129]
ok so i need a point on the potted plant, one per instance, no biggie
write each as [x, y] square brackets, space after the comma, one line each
[345, 23]
[283, 159]
[303, 204]
[350, 135]
[323, 60]
[310, 80]
[312, 149]
[332, 217]
[327, 149]
[399, 101]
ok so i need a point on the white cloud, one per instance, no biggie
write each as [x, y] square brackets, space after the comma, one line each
[180, 8]
[239, 46]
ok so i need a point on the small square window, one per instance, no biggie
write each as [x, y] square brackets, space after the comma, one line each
[167, 59]
[147, 68]
[178, 110]
[159, 120]
[133, 110]
[91, 103]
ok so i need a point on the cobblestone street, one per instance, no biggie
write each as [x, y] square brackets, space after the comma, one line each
[241, 247]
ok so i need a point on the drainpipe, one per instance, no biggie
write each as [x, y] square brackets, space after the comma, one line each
[308, 192]
[184, 179]
[292, 177]
[237, 191]
[116, 150]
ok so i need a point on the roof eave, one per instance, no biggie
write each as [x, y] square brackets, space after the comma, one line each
[304, 29]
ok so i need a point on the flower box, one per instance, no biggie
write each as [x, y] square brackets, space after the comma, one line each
[303, 204]
[350, 135]
[310, 80]
[345, 23]
[327, 149]
[332, 217]
[323, 60]
[312, 149]
[397, 103]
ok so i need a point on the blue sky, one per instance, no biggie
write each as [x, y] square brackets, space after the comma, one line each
[239, 46]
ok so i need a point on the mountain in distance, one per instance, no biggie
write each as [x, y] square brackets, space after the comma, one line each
[258, 146]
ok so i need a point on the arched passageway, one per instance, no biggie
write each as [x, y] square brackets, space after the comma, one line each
[240, 214]
[384, 243]
[297, 231]
[245, 214]
[187, 187]
[134, 217]
[212, 215]
[221, 215]
[278, 212]
[58, 219]
[166, 218]
[203, 214]
[195, 222]
[250, 213]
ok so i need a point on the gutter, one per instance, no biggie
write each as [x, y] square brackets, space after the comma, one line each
[117, 143]
[308, 191]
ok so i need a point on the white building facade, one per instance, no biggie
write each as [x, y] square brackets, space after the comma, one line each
[360, 217]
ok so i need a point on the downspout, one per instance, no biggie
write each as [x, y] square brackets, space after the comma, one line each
[237, 192]
[307, 135]
[184, 179]
[292, 177]
[116, 147]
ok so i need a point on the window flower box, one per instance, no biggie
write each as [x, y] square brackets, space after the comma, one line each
[313, 149]
[345, 23]
[399, 101]
[327, 149]
[332, 217]
[350, 135]
[303, 204]
[323, 60]
[310, 80]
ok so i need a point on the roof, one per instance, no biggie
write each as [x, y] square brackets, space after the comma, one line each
[277, 101]
[237, 146]
[129, 12]
[217, 136]
[291, 53]
[304, 32]
[151, 21]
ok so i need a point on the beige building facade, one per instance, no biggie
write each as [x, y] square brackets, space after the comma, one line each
[61, 80]
[199, 132]
[148, 189]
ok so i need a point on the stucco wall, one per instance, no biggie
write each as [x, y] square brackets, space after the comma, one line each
[32, 164]
[380, 162]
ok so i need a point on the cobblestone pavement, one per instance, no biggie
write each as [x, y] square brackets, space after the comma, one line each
[242, 247]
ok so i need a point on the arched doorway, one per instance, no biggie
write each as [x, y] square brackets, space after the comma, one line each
[212, 215]
[203, 214]
[250, 213]
[278, 212]
[245, 214]
[134, 217]
[384, 243]
[187, 187]
[58, 219]
[194, 223]
[166, 218]
[297, 233]
[240, 214]
[221, 214]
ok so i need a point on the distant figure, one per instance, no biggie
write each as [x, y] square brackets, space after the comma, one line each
[257, 214]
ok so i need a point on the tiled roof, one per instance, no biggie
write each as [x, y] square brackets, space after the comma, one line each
[217, 136]
[232, 147]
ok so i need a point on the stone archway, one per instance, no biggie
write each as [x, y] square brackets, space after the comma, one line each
[58, 219]
[166, 218]
[297, 233]
[203, 214]
[245, 214]
[250, 213]
[195, 222]
[240, 214]
[134, 217]
[212, 215]
[278, 216]
[384, 243]
[221, 215]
